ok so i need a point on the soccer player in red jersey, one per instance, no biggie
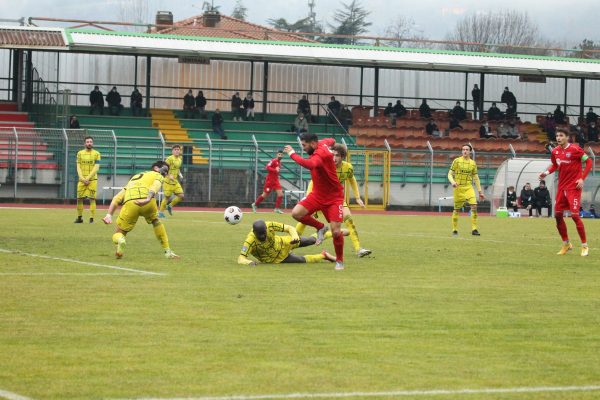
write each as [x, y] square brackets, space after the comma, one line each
[272, 183]
[567, 159]
[327, 195]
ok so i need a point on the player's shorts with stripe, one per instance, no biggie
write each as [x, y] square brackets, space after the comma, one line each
[462, 195]
[87, 191]
[271, 186]
[130, 212]
[332, 209]
[569, 199]
[170, 188]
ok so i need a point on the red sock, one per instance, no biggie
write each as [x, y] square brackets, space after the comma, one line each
[580, 227]
[278, 201]
[259, 200]
[338, 245]
[561, 226]
[311, 221]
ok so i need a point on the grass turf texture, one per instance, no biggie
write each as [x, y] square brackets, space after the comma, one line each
[427, 311]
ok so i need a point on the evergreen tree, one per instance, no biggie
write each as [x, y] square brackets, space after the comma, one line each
[350, 20]
[239, 11]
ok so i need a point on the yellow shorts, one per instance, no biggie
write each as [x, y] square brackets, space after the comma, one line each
[286, 249]
[87, 191]
[130, 212]
[462, 195]
[172, 188]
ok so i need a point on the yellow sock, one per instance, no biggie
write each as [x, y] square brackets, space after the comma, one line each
[116, 237]
[79, 207]
[314, 258]
[300, 228]
[353, 233]
[92, 207]
[163, 204]
[455, 220]
[161, 234]
[473, 219]
[176, 200]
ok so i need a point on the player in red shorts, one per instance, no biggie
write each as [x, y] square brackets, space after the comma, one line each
[327, 195]
[567, 159]
[272, 183]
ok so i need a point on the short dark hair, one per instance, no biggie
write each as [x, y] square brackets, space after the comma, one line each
[564, 131]
[309, 137]
[87, 137]
[159, 164]
[176, 146]
[468, 145]
[543, 181]
[341, 149]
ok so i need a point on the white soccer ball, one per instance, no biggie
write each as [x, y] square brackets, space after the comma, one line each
[233, 215]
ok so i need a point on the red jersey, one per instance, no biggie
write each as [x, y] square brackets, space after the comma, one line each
[273, 175]
[568, 162]
[326, 185]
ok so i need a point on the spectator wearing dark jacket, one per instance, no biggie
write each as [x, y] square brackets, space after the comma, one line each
[509, 99]
[432, 129]
[236, 106]
[549, 126]
[476, 95]
[73, 122]
[304, 107]
[96, 101]
[200, 102]
[485, 132]
[494, 113]
[389, 112]
[424, 109]
[559, 116]
[592, 132]
[248, 104]
[455, 123]
[399, 109]
[189, 104]
[511, 199]
[136, 102]
[345, 117]
[458, 112]
[334, 108]
[542, 198]
[217, 124]
[113, 98]
[591, 116]
[527, 199]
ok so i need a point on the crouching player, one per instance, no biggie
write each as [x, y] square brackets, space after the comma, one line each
[137, 198]
[267, 247]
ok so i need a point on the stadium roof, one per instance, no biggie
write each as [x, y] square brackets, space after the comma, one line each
[32, 37]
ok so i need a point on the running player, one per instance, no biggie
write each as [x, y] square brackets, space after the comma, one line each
[172, 190]
[137, 198]
[267, 247]
[88, 164]
[567, 159]
[327, 194]
[272, 183]
[461, 175]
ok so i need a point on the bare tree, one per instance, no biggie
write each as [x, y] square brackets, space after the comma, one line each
[403, 28]
[134, 11]
[505, 31]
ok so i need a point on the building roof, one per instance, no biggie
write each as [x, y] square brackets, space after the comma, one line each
[229, 27]
[28, 37]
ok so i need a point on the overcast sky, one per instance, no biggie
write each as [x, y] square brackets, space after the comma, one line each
[565, 22]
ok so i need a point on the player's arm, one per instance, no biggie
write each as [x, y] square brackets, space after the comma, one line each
[152, 190]
[354, 185]
[327, 142]
[79, 171]
[292, 232]
[478, 186]
[94, 170]
[451, 176]
[115, 202]
[553, 167]
[243, 257]
[586, 171]
[310, 163]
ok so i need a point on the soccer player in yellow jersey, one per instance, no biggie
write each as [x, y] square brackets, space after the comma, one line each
[137, 198]
[345, 173]
[267, 247]
[462, 175]
[88, 164]
[172, 189]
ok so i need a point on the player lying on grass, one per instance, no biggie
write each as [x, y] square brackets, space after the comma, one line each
[267, 247]
[137, 198]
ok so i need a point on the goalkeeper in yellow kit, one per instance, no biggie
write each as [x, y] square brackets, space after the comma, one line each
[171, 187]
[267, 247]
[462, 175]
[345, 173]
[88, 164]
[137, 198]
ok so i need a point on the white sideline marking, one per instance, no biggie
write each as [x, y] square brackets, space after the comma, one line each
[69, 273]
[12, 396]
[390, 394]
[139, 271]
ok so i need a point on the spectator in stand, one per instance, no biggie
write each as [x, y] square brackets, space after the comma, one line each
[248, 104]
[527, 200]
[113, 98]
[458, 112]
[334, 108]
[592, 133]
[200, 102]
[73, 122]
[399, 109]
[96, 101]
[511, 112]
[549, 126]
[591, 116]
[513, 131]
[509, 99]
[494, 113]
[541, 196]
[304, 107]
[346, 117]
[389, 112]
[502, 130]
[300, 124]
[511, 199]
[454, 123]
[559, 116]
[578, 136]
[432, 129]
[424, 109]
[484, 131]
[189, 104]
[476, 95]
[136, 103]
[217, 124]
[236, 106]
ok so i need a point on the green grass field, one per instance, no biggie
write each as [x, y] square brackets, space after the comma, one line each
[426, 312]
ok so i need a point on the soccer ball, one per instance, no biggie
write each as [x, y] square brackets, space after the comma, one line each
[233, 215]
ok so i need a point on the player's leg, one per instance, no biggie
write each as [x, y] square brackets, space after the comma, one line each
[334, 213]
[353, 233]
[126, 221]
[80, 196]
[470, 198]
[561, 205]
[574, 197]
[176, 198]
[303, 211]
[92, 187]
[307, 241]
[278, 200]
[118, 239]
[167, 193]
[150, 212]
[260, 198]
[459, 201]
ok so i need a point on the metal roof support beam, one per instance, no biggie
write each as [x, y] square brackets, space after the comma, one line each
[17, 72]
[148, 74]
[566, 111]
[28, 82]
[252, 77]
[582, 99]
[265, 89]
[360, 98]
[467, 91]
[135, 71]
[376, 93]
[482, 91]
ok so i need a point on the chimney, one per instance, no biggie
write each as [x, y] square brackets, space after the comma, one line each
[163, 18]
[211, 18]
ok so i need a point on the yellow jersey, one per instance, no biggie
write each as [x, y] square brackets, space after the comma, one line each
[270, 250]
[464, 171]
[87, 160]
[174, 166]
[345, 173]
[141, 184]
